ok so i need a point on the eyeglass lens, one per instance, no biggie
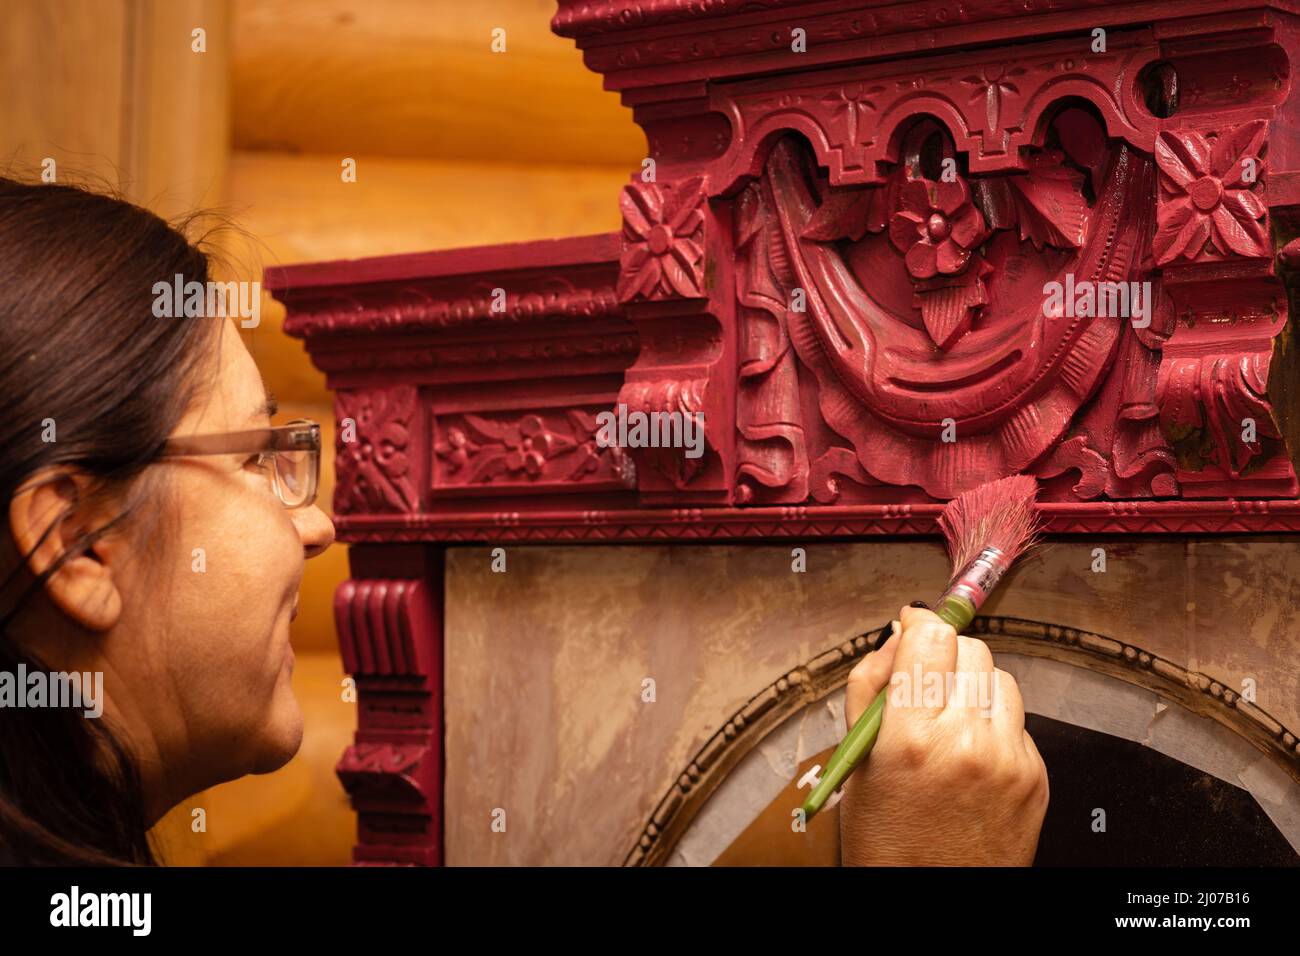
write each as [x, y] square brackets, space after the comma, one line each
[294, 476]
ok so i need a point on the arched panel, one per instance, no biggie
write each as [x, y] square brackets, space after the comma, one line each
[1076, 676]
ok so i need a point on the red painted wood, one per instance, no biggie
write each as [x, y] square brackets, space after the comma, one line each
[389, 617]
[544, 253]
[843, 256]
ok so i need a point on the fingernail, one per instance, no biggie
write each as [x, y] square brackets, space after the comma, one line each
[883, 636]
[920, 604]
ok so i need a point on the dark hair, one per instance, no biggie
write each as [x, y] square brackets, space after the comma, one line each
[79, 344]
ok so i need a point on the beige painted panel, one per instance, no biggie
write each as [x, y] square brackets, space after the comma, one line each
[545, 663]
[1243, 618]
[418, 78]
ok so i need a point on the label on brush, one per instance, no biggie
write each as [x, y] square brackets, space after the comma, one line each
[976, 581]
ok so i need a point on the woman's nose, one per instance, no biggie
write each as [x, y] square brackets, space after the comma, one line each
[315, 528]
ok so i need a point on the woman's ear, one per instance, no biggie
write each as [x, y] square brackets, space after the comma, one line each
[83, 587]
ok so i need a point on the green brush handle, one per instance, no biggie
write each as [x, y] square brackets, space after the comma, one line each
[857, 743]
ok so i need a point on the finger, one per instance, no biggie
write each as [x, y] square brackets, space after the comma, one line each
[1008, 707]
[1032, 750]
[926, 647]
[972, 685]
[868, 678]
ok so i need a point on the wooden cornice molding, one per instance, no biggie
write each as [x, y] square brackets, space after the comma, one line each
[781, 277]
[842, 271]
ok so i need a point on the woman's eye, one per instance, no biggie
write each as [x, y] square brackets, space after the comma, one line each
[259, 460]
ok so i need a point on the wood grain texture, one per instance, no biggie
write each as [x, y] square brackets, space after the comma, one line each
[417, 78]
[300, 210]
[63, 71]
[114, 93]
[176, 107]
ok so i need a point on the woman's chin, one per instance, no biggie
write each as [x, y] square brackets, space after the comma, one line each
[281, 738]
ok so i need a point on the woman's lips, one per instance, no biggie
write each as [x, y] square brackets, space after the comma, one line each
[294, 612]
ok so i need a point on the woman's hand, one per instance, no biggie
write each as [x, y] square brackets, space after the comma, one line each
[954, 779]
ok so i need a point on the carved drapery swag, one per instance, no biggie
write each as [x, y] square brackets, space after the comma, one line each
[918, 305]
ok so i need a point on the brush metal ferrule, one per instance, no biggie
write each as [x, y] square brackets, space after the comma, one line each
[975, 582]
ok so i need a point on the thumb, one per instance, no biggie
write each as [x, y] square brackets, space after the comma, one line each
[869, 677]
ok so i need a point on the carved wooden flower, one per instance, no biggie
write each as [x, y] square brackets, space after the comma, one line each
[663, 232]
[936, 228]
[1211, 186]
[536, 444]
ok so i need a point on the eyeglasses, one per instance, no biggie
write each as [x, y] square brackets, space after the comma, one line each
[293, 451]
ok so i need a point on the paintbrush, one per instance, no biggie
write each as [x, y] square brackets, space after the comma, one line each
[985, 530]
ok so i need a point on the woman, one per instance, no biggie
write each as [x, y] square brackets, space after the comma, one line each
[170, 568]
[157, 532]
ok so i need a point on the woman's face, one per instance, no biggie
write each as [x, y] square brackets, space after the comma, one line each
[197, 664]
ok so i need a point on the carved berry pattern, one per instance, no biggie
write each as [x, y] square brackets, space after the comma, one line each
[476, 449]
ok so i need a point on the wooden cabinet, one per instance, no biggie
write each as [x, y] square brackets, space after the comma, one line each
[883, 252]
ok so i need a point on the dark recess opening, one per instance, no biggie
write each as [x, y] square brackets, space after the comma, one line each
[1159, 812]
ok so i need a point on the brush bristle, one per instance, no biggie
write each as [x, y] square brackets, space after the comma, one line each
[998, 514]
